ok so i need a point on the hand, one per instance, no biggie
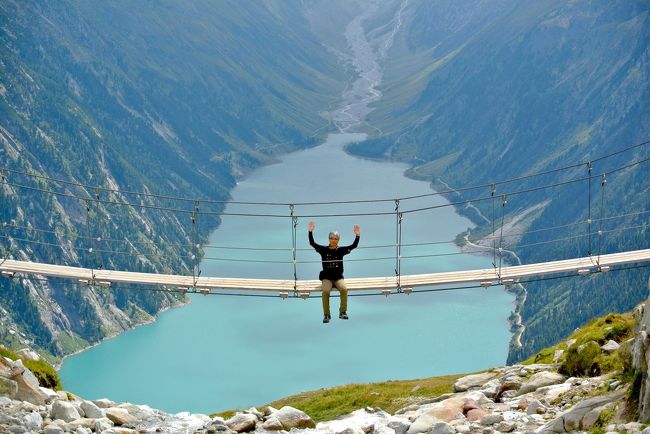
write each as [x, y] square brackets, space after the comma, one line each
[357, 230]
[311, 226]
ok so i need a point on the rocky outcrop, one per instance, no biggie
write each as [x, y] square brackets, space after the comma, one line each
[641, 357]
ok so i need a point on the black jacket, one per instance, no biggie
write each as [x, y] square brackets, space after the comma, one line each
[332, 258]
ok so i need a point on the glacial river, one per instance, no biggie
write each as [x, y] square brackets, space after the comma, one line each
[222, 352]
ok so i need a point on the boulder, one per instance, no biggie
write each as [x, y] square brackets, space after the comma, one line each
[82, 430]
[120, 430]
[28, 354]
[541, 379]
[399, 426]
[589, 420]
[140, 412]
[491, 419]
[268, 411]
[254, 411]
[103, 424]
[65, 411]
[82, 423]
[104, 403]
[272, 424]
[91, 410]
[53, 429]
[491, 388]
[535, 407]
[242, 422]
[8, 387]
[506, 426]
[422, 424]
[442, 428]
[120, 416]
[291, 417]
[32, 421]
[473, 381]
[610, 347]
[572, 420]
[49, 393]
[476, 414]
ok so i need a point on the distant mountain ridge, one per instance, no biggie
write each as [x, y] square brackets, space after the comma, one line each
[485, 91]
[168, 98]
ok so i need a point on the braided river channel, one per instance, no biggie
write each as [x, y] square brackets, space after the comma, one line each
[224, 352]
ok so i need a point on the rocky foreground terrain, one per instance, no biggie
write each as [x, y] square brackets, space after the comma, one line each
[532, 398]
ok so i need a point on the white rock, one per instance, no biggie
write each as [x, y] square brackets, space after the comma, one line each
[610, 346]
[399, 426]
[92, 411]
[442, 428]
[506, 426]
[491, 419]
[272, 424]
[556, 355]
[32, 421]
[28, 354]
[291, 417]
[65, 411]
[29, 377]
[103, 424]
[268, 411]
[422, 424]
[104, 403]
[242, 422]
[119, 416]
[541, 379]
[51, 394]
[82, 430]
[533, 406]
[473, 381]
[53, 429]
[491, 388]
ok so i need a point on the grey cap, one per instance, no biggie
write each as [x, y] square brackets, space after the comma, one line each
[334, 234]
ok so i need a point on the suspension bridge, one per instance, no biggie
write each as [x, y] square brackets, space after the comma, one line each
[594, 261]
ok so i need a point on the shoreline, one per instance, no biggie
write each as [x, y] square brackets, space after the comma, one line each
[154, 318]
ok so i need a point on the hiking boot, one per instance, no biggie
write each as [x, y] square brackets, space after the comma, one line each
[343, 315]
[326, 319]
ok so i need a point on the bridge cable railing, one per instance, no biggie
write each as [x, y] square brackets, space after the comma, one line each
[399, 213]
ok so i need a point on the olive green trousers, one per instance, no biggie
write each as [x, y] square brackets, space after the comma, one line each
[326, 287]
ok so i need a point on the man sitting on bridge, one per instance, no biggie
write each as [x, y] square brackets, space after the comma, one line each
[332, 274]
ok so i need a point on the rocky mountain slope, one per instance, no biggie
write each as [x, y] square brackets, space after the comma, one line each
[488, 91]
[169, 98]
[551, 397]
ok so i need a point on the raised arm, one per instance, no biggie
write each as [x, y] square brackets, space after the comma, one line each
[357, 232]
[310, 229]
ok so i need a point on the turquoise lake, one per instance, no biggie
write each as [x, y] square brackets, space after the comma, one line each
[223, 352]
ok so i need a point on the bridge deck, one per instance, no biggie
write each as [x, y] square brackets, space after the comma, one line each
[485, 276]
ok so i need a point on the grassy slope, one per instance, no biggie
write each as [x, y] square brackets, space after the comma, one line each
[328, 404]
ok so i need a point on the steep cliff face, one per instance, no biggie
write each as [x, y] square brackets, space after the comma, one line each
[488, 91]
[168, 98]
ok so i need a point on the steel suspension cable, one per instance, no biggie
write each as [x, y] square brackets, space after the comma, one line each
[222, 202]
[504, 201]
[413, 210]
[602, 211]
[589, 166]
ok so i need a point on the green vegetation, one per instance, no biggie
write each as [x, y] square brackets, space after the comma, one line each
[194, 97]
[506, 94]
[328, 404]
[584, 355]
[44, 372]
